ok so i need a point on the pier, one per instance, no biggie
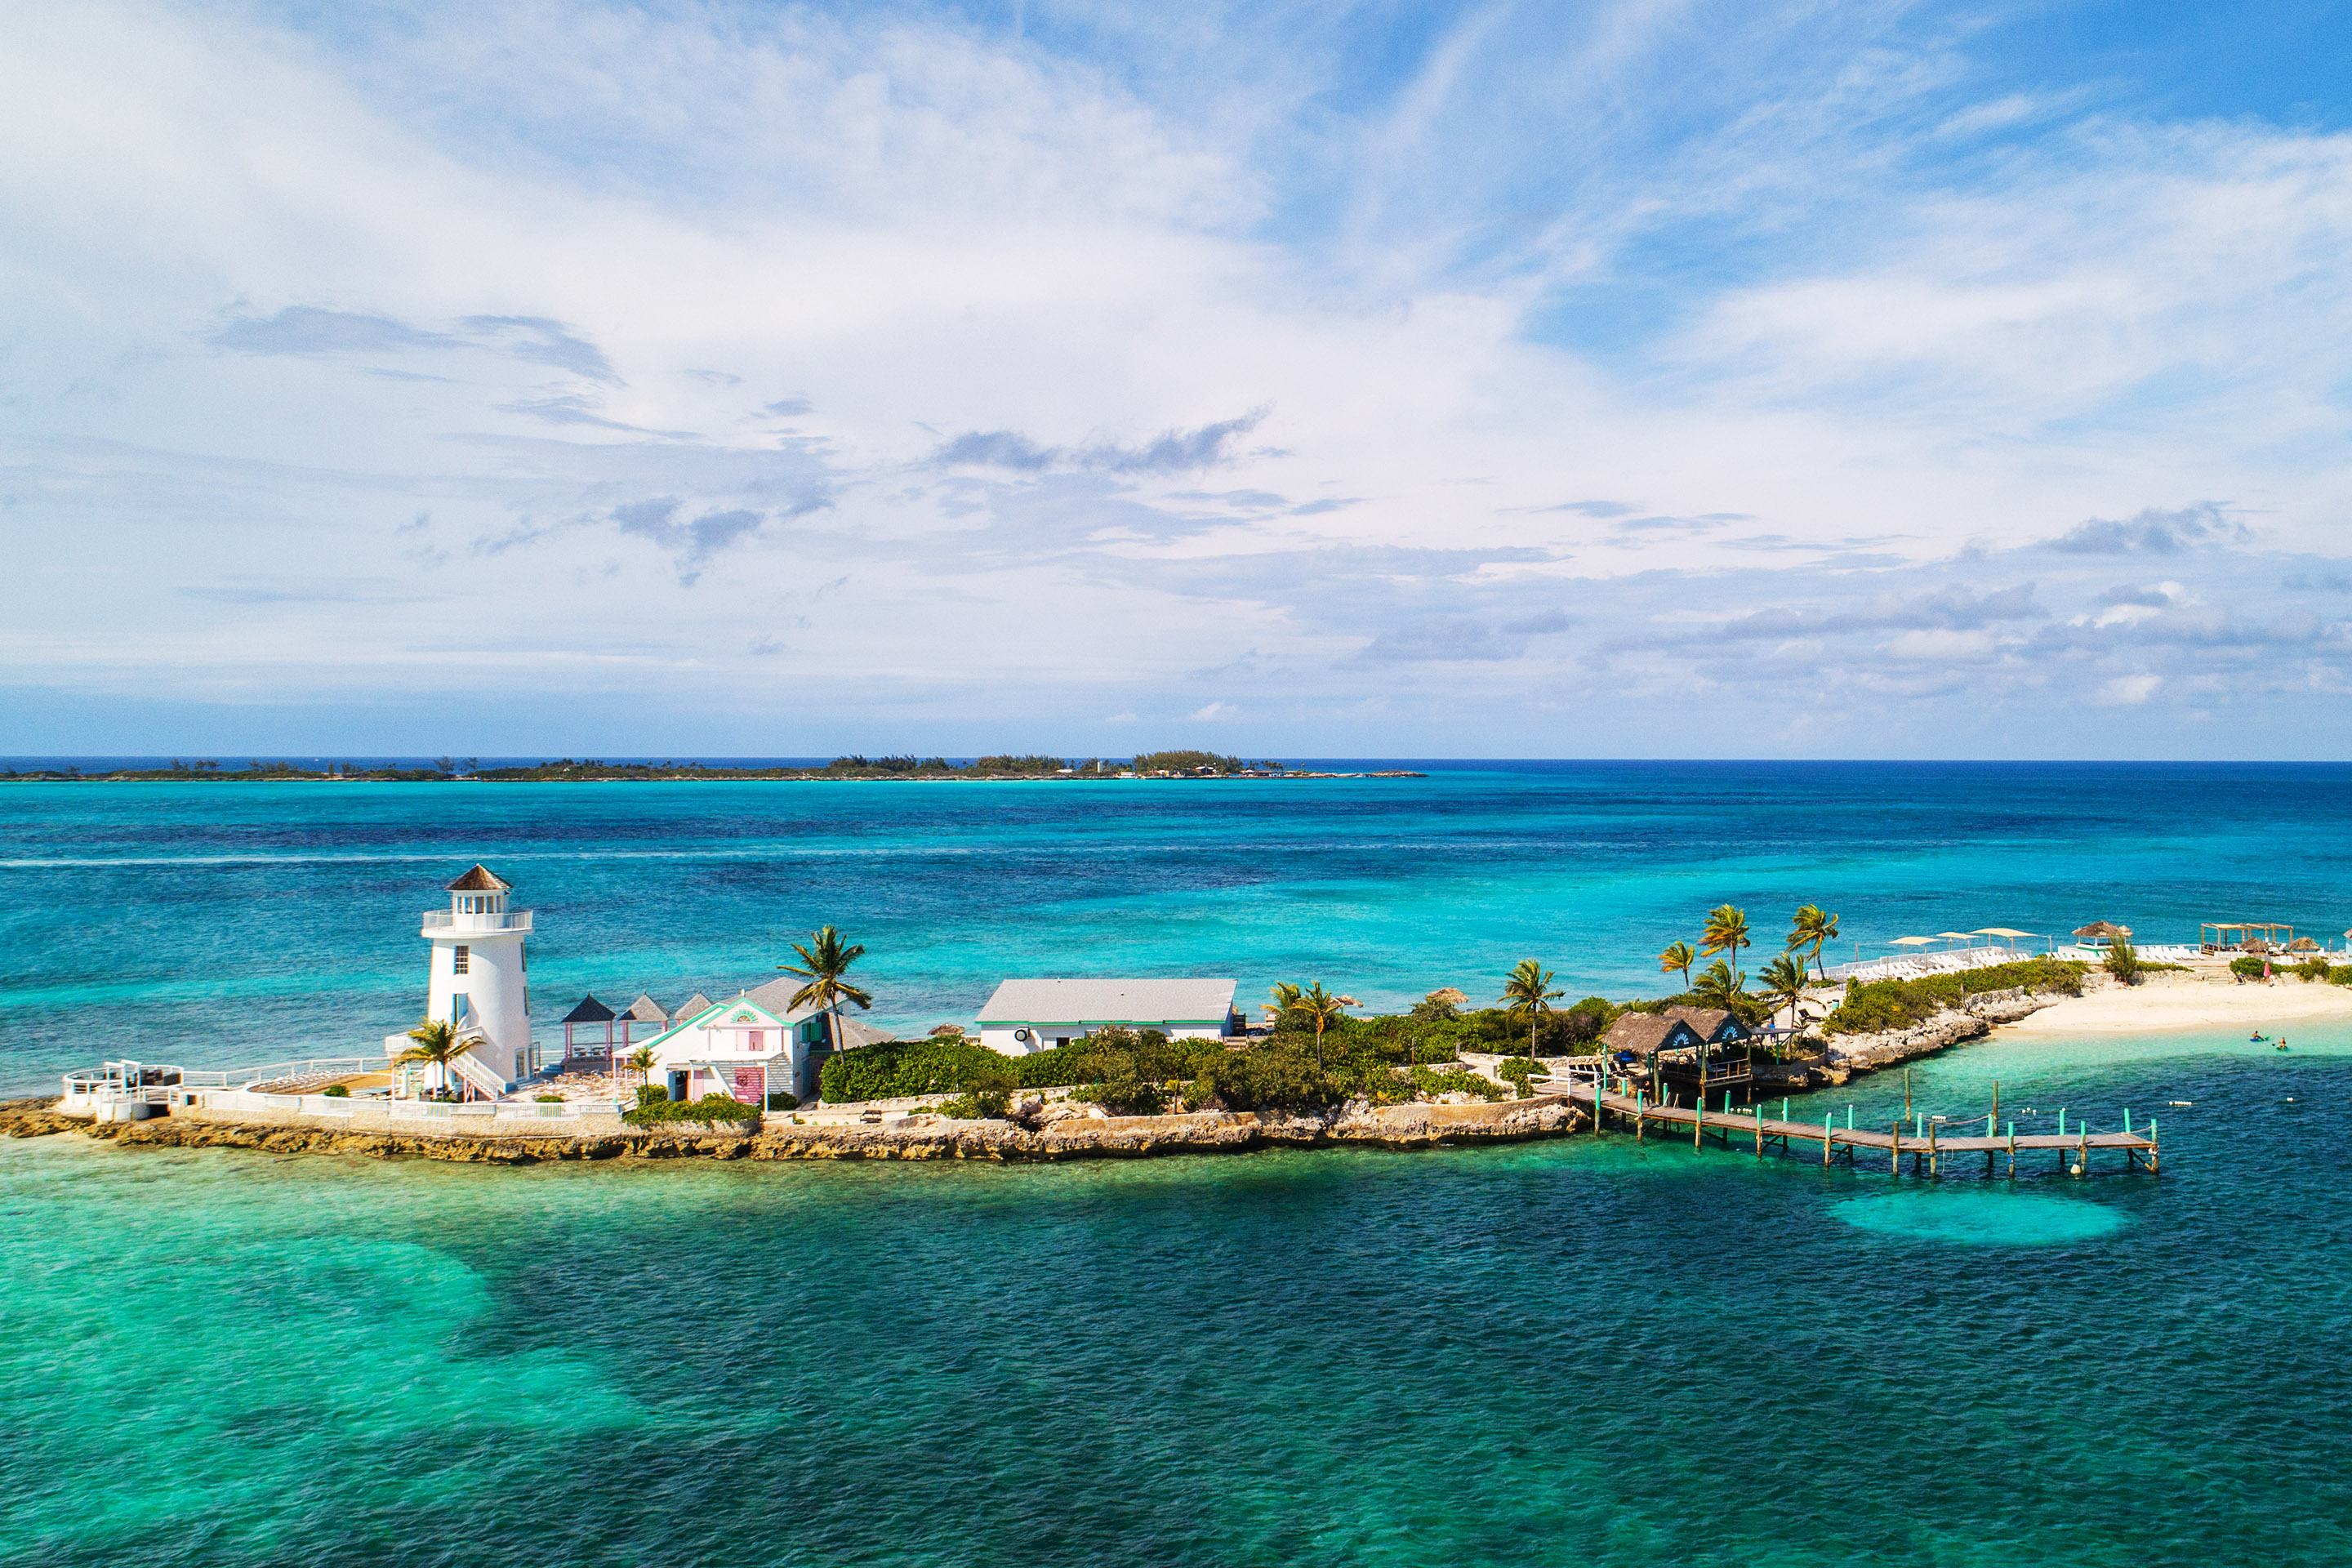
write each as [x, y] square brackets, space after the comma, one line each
[1928, 1142]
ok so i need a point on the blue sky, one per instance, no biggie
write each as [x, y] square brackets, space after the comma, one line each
[1560, 379]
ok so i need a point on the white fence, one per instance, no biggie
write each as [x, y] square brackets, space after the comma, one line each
[474, 1114]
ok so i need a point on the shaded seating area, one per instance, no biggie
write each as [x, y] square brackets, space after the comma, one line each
[2102, 933]
[592, 1031]
[2259, 937]
[1691, 1051]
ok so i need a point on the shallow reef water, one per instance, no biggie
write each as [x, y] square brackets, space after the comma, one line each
[1587, 1350]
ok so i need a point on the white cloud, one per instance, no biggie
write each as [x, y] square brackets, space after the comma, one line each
[1006, 380]
[2129, 690]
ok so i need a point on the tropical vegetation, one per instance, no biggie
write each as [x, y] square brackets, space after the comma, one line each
[1881, 1005]
[1529, 994]
[654, 1105]
[825, 960]
[436, 1046]
[1810, 930]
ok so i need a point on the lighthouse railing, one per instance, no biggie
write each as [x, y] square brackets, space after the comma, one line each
[442, 920]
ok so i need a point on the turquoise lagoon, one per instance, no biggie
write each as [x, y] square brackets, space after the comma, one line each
[1585, 1351]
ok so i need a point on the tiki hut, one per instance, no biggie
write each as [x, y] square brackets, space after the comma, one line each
[2102, 933]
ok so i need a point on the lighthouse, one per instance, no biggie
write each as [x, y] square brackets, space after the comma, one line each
[478, 984]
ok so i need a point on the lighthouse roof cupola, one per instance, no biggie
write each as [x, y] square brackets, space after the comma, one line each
[479, 892]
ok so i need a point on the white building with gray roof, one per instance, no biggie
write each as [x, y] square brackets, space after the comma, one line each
[1030, 1016]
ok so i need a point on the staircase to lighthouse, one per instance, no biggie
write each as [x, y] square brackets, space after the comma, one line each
[480, 985]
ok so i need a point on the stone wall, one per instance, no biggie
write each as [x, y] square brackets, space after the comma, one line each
[1117, 1137]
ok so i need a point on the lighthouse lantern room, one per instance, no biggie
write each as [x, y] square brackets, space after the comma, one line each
[480, 985]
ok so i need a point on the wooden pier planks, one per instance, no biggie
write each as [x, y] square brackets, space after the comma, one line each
[1766, 1129]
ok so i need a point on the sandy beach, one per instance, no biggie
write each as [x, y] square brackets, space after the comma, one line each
[2202, 1006]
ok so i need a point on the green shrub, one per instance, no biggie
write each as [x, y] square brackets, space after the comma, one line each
[1276, 1075]
[548, 1098]
[1455, 1080]
[2123, 962]
[651, 1094]
[2248, 968]
[710, 1108]
[1519, 1073]
[779, 1101]
[1433, 1010]
[2313, 969]
[1883, 1005]
[336, 1092]
[2340, 974]
[978, 1105]
[1122, 1091]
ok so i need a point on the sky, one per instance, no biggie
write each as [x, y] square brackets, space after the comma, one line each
[1654, 378]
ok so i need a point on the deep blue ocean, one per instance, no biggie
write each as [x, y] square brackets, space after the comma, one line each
[1584, 1351]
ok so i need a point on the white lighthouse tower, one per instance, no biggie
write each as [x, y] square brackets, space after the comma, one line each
[479, 986]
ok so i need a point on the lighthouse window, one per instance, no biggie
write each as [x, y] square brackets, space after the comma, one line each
[457, 958]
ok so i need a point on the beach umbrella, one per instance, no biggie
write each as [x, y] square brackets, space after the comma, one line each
[2107, 930]
[1912, 941]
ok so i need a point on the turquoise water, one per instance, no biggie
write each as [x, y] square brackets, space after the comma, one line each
[218, 924]
[1587, 1350]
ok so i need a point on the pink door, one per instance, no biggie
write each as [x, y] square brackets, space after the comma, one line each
[750, 1085]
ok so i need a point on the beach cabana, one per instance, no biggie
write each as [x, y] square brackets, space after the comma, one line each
[2009, 934]
[2245, 936]
[642, 1011]
[2101, 934]
[590, 1014]
[1702, 1050]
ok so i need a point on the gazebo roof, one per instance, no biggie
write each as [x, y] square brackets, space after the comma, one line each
[645, 1010]
[590, 1011]
[2104, 928]
[481, 880]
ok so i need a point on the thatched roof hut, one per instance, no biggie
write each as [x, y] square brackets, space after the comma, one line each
[2102, 931]
[1645, 1034]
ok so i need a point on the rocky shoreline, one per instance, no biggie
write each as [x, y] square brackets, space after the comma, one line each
[1399, 1127]
[1846, 1055]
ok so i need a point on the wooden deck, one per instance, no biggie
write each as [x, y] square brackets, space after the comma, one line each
[2140, 1151]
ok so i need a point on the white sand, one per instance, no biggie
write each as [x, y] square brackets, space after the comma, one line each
[2197, 1006]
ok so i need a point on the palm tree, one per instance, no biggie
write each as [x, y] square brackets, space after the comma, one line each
[1727, 931]
[642, 1058]
[1320, 1005]
[1678, 955]
[1528, 991]
[1717, 985]
[1813, 929]
[1783, 984]
[1286, 996]
[437, 1042]
[822, 963]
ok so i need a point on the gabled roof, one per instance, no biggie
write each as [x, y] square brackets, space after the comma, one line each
[481, 880]
[1110, 1001]
[855, 1034]
[1713, 1024]
[1648, 1034]
[776, 996]
[590, 1011]
[695, 1004]
[645, 1010]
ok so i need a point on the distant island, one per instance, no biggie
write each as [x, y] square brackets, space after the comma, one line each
[1177, 764]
